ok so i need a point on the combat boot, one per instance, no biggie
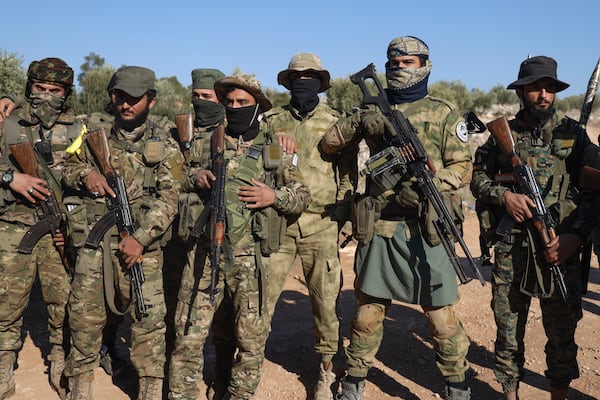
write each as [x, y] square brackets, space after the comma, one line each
[151, 388]
[453, 393]
[326, 380]
[351, 391]
[80, 386]
[57, 366]
[7, 382]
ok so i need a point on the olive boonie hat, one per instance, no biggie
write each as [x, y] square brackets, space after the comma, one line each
[135, 81]
[305, 62]
[205, 78]
[535, 68]
[245, 82]
[53, 70]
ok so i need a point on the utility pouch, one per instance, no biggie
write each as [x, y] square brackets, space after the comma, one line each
[268, 225]
[429, 217]
[44, 147]
[365, 211]
[154, 150]
[272, 155]
[190, 208]
[77, 220]
[385, 168]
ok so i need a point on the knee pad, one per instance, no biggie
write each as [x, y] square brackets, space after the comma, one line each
[369, 318]
[442, 322]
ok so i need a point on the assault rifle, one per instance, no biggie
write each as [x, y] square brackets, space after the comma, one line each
[215, 213]
[410, 152]
[542, 221]
[52, 218]
[185, 131]
[119, 213]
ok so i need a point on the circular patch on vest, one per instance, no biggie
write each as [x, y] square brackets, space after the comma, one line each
[462, 132]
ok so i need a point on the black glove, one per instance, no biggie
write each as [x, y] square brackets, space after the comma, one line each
[374, 123]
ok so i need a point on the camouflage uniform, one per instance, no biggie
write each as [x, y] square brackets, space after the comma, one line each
[238, 313]
[553, 151]
[314, 235]
[152, 189]
[18, 216]
[399, 262]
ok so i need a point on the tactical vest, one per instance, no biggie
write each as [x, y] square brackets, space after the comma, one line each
[268, 225]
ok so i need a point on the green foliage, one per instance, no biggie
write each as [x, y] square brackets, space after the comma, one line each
[172, 99]
[277, 98]
[344, 95]
[92, 62]
[12, 74]
[93, 96]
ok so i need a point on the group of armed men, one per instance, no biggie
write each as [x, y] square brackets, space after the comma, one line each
[217, 220]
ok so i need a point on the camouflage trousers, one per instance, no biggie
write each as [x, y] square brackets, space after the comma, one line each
[511, 308]
[323, 274]
[449, 338]
[88, 313]
[17, 274]
[236, 316]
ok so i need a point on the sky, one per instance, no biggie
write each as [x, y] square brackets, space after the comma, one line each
[480, 43]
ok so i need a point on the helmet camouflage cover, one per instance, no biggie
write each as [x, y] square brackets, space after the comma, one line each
[53, 70]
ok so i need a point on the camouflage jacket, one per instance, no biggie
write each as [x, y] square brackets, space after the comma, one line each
[23, 126]
[199, 156]
[152, 187]
[442, 132]
[292, 197]
[554, 152]
[326, 176]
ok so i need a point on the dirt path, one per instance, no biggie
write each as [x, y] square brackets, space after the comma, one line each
[405, 367]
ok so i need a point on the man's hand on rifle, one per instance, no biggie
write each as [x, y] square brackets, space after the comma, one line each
[561, 248]
[33, 189]
[205, 178]
[97, 186]
[58, 238]
[131, 250]
[258, 196]
[375, 123]
[518, 206]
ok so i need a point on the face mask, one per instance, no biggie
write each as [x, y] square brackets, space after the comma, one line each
[402, 78]
[207, 113]
[242, 121]
[305, 94]
[46, 107]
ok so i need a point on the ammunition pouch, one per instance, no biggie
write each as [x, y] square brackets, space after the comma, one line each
[385, 168]
[78, 225]
[489, 217]
[268, 227]
[429, 217]
[190, 208]
[363, 214]
[154, 151]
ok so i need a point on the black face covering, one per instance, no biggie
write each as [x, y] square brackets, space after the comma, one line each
[305, 94]
[207, 113]
[242, 121]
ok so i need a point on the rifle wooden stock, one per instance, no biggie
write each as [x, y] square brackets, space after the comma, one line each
[541, 219]
[53, 217]
[589, 179]
[185, 131]
[99, 145]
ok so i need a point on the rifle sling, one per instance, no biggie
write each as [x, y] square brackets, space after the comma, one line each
[109, 278]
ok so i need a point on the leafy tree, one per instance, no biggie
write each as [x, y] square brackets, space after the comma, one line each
[172, 98]
[92, 62]
[344, 95]
[93, 96]
[12, 74]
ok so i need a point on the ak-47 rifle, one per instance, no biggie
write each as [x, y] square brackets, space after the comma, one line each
[408, 150]
[51, 215]
[589, 178]
[185, 130]
[119, 213]
[216, 210]
[542, 221]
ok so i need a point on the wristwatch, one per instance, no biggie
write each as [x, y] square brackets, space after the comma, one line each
[7, 176]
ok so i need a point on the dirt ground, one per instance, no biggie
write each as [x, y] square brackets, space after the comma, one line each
[405, 367]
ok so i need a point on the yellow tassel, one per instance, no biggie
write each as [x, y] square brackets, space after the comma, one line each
[75, 147]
